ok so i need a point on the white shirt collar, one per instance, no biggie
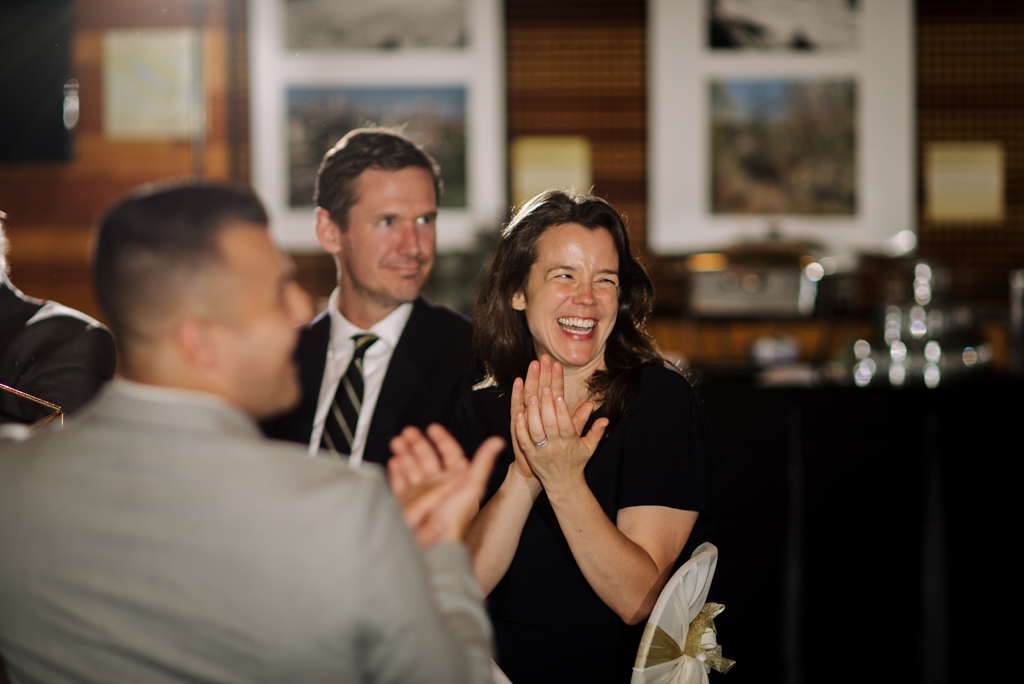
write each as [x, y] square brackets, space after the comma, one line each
[388, 329]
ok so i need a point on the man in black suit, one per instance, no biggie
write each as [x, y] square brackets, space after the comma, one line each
[380, 357]
[47, 350]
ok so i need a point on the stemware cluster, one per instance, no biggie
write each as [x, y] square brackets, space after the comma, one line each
[921, 340]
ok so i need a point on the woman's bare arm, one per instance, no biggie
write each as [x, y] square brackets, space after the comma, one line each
[626, 562]
[626, 565]
[493, 535]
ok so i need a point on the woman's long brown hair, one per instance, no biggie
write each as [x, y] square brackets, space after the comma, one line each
[501, 339]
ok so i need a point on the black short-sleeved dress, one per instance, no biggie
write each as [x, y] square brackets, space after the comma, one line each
[550, 626]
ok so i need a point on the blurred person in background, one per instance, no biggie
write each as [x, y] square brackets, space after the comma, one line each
[159, 537]
[47, 350]
[380, 357]
[607, 484]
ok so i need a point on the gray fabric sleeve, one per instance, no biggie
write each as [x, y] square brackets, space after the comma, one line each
[460, 601]
[424, 618]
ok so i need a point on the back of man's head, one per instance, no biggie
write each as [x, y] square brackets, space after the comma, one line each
[153, 244]
[361, 149]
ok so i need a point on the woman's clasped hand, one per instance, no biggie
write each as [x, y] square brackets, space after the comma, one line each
[548, 440]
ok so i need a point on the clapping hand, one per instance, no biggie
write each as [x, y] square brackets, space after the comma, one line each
[547, 439]
[438, 488]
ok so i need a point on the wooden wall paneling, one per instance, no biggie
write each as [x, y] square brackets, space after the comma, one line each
[580, 68]
[49, 262]
[970, 86]
[238, 89]
[317, 275]
[52, 207]
[574, 67]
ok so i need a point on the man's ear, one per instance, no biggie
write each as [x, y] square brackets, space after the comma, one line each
[328, 233]
[519, 301]
[196, 341]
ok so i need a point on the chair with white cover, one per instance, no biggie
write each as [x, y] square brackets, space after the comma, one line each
[680, 644]
[499, 676]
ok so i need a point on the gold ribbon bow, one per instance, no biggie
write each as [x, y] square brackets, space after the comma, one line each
[663, 648]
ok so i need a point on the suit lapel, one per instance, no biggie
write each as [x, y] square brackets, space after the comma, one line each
[15, 311]
[311, 356]
[312, 351]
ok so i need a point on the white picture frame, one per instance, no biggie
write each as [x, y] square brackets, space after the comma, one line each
[680, 67]
[478, 67]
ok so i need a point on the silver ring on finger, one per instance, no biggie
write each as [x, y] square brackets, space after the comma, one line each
[541, 442]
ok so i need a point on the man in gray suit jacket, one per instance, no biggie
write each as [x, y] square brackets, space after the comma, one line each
[159, 537]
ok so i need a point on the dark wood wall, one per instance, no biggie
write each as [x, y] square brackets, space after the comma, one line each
[970, 86]
[51, 206]
[579, 67]
[574, 67]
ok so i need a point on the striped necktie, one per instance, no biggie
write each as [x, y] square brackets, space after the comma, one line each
[340, 427]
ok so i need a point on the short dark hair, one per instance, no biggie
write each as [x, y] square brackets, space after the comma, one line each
[361, 149]
[152, 242]
[501, 338]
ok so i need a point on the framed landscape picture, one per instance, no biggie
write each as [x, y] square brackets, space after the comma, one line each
[780, 117]
[784, 25]
[382, 24]
[431, 68]
[318, 116]
[783, 146]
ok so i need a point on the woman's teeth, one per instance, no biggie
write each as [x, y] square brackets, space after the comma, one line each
[577, 326]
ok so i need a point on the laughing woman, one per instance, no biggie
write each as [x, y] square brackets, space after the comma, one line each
[608, 479]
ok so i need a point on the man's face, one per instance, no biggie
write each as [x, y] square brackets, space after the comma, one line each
[387, 250]
[257, 307]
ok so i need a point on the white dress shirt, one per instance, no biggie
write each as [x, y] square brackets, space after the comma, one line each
[375, 367]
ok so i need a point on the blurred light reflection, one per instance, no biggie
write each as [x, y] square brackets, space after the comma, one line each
[900, 243]
[863, 372]
[897, 374]
[814, 271]
[970, 356]
[707, 262]
[893, 323]
[922, 294]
